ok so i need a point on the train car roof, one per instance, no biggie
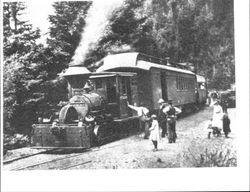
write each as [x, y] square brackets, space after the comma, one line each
[111, 74]
[78, 70]
[131, 60]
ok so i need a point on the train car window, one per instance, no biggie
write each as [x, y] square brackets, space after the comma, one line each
[123, 86]
[133, 81]
[163, 85]
[111, 91]
[181, 83]
[177, 82]
[192, 84]
[98, 83]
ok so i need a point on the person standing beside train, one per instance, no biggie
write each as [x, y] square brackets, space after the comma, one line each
[162, 117]
[224, 102]
[172, 113]
[217, 116]
[226, 125]
[154, 132]
[143, 114]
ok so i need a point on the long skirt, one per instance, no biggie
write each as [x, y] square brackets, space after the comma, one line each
[171, 132]
[147, 132]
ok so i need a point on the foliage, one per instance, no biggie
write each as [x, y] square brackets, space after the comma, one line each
[65, 31]
[20, 49]
[210, 158]
[128, 30]
[203, 152]
[15, 141]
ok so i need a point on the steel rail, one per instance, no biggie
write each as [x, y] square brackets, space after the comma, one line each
[44, 162]
[95, 149]
[26, 156]
[75, 165]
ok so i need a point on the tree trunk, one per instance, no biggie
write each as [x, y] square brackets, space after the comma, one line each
[176, 28]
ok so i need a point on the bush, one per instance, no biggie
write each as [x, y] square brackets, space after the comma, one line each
[15, 141]
[211, 159]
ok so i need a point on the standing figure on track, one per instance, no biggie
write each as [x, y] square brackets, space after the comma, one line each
[162, 117]
[154, 132]
[171, 120]
[217, 116]
[143, 114]
[226, 125]
[224, 102]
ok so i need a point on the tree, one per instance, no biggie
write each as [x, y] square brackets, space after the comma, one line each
[128, 30]
[19, 52]
[197, 31]
[65, 32]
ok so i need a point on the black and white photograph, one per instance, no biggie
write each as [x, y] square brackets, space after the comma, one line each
[121, 95]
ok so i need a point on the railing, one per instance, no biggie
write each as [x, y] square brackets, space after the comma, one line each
[159, 61]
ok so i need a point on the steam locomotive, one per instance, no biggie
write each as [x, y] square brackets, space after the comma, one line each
[97, 109]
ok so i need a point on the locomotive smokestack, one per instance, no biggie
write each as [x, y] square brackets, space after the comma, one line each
[77, 77]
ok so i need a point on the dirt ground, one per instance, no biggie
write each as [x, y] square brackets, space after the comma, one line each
[192, 149]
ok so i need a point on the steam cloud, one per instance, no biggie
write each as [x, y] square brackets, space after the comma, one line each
[96, 22]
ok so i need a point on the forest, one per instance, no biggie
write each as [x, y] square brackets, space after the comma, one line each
[196, 31]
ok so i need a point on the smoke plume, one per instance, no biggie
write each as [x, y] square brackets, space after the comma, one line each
[96, 22]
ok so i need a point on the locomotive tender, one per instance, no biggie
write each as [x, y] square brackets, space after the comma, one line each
[97, 110]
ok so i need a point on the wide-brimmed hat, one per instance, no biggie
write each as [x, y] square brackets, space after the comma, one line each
[161, 101]
[153, 116]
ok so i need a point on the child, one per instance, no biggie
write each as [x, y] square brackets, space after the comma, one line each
[211, 129]
[154, 132]
[226, 125]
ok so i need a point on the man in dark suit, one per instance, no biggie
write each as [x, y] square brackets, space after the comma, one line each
[171, 121]
[162, 117]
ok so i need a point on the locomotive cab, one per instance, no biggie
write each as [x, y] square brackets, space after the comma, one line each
[115, 88]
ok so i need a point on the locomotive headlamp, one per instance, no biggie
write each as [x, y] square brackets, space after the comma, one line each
[89, 118]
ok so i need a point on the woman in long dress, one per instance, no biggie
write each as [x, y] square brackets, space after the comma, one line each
[154, 132]
[217, 116]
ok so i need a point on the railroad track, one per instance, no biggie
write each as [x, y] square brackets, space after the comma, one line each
[53, 163]
[27, 156]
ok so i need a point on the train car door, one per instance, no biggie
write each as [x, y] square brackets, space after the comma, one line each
[125, 96]
[112, 103]
[164, 86]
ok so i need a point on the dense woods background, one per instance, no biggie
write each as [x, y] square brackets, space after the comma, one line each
[196, 31]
